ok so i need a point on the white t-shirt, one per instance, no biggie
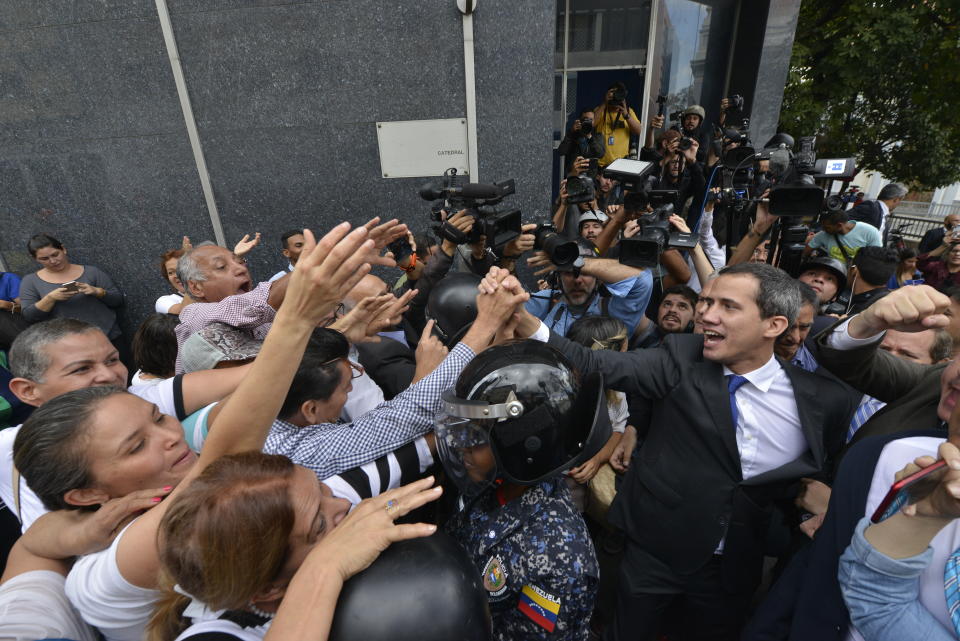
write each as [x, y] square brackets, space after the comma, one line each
[364, 396]
[164, 303]
[106, 600]
[895, 455]
[166, 395]
[34, 606]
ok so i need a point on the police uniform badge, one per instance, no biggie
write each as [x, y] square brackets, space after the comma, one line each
[539, 606]
[495, 577]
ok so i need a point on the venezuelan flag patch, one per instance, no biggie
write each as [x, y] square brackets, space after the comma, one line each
[539, 606]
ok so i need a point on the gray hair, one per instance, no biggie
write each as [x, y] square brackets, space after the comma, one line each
[29, 357]
[48, 449]
[942, 348]
[778, 293]
[808, 296]
[187, 267]
[892, 191]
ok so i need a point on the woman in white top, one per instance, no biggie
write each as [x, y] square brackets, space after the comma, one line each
[254, 525]
[172, 303]
[88, 446]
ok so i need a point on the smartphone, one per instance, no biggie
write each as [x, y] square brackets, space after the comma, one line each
[71, 286]
[906, 491]
[594, 166]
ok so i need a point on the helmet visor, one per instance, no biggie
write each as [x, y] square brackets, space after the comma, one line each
[465, 452]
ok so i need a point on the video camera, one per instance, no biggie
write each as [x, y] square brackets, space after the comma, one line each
[796, 193]
[498, 225]
[656, 235]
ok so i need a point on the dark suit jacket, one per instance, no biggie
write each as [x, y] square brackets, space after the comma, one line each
[805, 603]
[685, 490]
[931, 240]
[389, 363]
[911, 391]
[869, 211]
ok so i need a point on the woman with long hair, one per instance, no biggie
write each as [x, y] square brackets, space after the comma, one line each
[88, 446]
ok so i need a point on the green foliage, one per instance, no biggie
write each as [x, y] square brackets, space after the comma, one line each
[879, 80]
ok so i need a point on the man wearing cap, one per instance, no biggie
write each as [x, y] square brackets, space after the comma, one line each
[691, 126]
[591, 224]
[599, 286]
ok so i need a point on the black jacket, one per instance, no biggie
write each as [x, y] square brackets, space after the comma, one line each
[389, 363]
[931, 240]
[869, 211]
[685, 491]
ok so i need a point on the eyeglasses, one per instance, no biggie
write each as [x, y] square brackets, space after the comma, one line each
[356, 371]
[337, 313]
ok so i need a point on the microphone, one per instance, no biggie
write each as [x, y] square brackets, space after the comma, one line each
[476, 190]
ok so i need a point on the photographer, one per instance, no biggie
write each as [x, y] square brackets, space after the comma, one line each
[932, 239]
[939, 269]
[601, 286]
[680, 171]
[615, 123]
[458, 255]
[581, 141]
[692, 126]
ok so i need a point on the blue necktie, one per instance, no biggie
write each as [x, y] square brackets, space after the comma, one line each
[734, 382]
[867, 408]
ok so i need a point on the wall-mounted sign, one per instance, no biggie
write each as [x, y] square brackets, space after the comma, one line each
[412, 148]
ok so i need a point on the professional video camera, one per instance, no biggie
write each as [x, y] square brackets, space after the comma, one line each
[498, 225]
[796, 192]
[562, 250]
[644, 249]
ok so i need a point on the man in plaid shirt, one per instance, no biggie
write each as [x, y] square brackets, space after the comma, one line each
[221, 284]
[331, 449]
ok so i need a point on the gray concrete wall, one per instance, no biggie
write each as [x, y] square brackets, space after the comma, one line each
[93, 147]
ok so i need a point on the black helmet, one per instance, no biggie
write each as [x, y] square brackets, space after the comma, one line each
[520, 412]
[832, 265]
[417, 590]
[453, 306]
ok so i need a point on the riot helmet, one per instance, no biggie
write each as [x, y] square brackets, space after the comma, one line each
[519, 412]
[453, 306]
[424, 589]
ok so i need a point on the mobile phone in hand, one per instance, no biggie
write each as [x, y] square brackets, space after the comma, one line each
[908, 490]
[72, 286]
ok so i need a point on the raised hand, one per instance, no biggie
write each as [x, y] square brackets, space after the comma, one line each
[370, 527]
[522, 243]
[245, 244]
[328, 270]
[430, 353]
[384, 234]
[908, 309]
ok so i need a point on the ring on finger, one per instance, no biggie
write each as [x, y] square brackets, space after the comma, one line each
[392, 507]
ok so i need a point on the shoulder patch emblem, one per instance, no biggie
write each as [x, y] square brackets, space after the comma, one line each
[495, 576]
[539, 606]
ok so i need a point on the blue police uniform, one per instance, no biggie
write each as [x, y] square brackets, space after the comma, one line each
[537, 561]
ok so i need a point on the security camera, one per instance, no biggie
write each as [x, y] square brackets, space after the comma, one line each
[467, 7]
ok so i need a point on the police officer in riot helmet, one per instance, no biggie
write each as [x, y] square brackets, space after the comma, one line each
[519, 416]
[453, 306]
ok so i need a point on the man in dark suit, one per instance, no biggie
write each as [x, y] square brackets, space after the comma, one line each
[934, 237]
[876, 211]
[806, 603]
[731, 428]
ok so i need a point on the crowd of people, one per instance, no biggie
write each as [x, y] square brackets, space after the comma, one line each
[697, 449]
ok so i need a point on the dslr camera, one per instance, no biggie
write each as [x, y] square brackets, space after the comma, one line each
[656, 235]
[563, 252]
[499, 225]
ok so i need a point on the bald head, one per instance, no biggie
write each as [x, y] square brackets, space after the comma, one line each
[369, 285]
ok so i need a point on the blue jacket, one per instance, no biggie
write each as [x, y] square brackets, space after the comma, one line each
[627, 302]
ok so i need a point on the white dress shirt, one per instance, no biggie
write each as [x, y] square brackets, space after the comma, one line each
[768, 423]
